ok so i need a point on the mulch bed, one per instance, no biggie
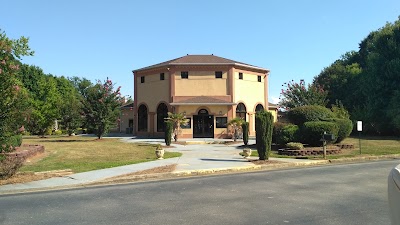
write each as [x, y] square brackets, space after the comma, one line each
[24, 177]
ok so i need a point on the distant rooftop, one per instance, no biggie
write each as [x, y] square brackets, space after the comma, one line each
[200, 60]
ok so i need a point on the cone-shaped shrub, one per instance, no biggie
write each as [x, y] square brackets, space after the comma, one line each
[245, 129]
[168, 132]
[264, 128]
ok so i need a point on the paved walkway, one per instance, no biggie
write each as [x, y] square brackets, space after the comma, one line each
[196, 157]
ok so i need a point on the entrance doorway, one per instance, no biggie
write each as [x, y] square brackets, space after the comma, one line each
[203, 125]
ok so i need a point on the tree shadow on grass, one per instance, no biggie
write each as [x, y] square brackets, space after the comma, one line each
[65, 140]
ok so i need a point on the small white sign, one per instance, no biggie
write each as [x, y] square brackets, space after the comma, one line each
[359, 125]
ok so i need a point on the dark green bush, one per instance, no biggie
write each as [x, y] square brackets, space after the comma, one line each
[245, 129]
[168, 132]
[288, 133]
[8, 144]
[277, 130]
[345, 128]
[311, 132]
[302, 114]
[264, 127]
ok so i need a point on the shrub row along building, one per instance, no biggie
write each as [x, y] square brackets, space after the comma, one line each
[208, 89]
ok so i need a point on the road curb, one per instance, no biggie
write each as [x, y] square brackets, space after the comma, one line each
[365, 158]
[204, 172]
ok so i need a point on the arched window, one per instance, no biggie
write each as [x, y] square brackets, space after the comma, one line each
[162, 113]
[241, 111]
[259, 108]
[142, 118]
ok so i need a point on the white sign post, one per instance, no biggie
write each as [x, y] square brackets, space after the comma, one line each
[359, 129]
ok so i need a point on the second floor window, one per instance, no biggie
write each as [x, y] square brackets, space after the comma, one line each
[218, 74]
[241, 76]
[259, 78]
[141, 79]
[162, 77]
[184, 75]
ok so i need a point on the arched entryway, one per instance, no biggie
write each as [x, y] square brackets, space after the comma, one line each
[142, 118]
[241, 111]
[203, 124]
[162, 113]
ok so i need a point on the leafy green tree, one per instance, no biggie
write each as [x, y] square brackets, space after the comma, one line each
[101, 106]
[340, 78]
[71, 108]
[297, 94]
[45, 101]
[82, 85]
[366, 81]
[11, 91]
[177, 119]
[264, 129]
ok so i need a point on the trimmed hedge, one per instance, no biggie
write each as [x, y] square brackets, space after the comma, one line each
[264, 127]
[245, 129]
[302, 114]
[277, 130]
[345, 128]
[287, 133]
[311, 132]
[169, 126]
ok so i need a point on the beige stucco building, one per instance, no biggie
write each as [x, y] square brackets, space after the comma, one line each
[125, 121]
[208, 89]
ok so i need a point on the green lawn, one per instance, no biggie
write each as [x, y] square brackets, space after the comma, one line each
[82, 154]
[370, 145]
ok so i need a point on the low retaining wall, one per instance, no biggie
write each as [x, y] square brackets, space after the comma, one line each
[26, 151]
[306, 151]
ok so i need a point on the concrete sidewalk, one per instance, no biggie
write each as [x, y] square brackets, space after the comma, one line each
[197, 158]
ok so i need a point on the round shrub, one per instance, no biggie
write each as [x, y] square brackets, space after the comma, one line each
[302, 114]
[288, 133]
[295, 145]
[345, 128]
[311, 132]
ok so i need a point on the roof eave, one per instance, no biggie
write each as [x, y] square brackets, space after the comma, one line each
[211, 103]
[202, 64]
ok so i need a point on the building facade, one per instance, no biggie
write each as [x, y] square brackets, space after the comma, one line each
[126, 121]
[208, 89]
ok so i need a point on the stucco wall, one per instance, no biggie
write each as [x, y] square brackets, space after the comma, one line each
[201, 83]
[274, 113]
[249, 91]
[126, 115]
[153, 90]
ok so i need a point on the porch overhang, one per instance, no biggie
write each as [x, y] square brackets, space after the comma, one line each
[202, 100]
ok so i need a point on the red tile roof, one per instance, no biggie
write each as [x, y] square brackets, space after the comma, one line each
[200, 60]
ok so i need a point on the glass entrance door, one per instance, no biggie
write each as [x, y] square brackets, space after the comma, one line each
[203, 125]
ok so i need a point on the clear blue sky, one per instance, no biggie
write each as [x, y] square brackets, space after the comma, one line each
[99, 39]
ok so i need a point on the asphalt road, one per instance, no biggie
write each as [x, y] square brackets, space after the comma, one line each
[338, 194]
